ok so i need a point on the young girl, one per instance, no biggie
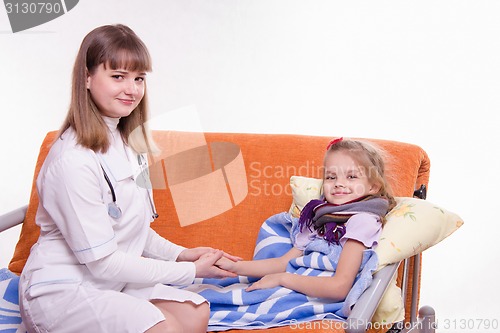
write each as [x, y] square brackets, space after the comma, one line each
[97, 265]
[351, 214]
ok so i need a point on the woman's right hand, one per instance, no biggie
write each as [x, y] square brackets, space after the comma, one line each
[205, 266]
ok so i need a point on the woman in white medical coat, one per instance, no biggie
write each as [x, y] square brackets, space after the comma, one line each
[98, 266]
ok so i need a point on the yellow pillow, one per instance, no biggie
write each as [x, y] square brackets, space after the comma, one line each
[413, 226]
[304, 189]
[390, 309]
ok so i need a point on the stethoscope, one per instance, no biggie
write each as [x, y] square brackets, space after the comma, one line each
[114, 210]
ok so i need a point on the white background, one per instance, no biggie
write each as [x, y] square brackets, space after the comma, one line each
[424, 72]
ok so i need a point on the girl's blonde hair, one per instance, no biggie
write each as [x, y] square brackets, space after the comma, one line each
[371, 160]
[118, 47]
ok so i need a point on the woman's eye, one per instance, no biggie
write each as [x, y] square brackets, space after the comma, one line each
[117, 77]
[140, 79]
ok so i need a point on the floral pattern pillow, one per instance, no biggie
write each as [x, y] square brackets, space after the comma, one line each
[413, 226]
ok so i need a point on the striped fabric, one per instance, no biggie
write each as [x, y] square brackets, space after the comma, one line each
[10, 317]
[233, 307]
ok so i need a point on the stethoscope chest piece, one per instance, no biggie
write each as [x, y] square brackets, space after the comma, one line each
[114, 211]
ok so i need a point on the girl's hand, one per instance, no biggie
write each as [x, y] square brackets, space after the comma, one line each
[226, 264]
[268, 281]
[205, 266]
[231, 257]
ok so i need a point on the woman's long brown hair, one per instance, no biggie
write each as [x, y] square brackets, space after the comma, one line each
[118, 47]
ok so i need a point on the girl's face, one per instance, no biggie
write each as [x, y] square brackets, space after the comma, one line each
[116, 92]
[345, 180]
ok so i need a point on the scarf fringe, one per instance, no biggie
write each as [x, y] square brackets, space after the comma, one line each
[307, 214]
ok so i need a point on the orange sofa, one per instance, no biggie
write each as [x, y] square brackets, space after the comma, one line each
[230, 219]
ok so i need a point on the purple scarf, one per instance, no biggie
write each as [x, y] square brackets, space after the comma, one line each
[329, 219]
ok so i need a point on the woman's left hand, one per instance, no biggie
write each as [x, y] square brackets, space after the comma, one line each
[267, 281]
[196, 252]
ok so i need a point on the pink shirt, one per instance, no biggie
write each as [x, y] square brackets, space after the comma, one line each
[363, 227]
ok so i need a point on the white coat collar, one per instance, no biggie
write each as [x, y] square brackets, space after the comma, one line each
[116, 165]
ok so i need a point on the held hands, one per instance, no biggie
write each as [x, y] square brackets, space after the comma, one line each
[227, 264]
[205, 258]
[205, 266]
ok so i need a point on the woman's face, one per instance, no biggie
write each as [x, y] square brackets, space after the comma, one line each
[116, 92]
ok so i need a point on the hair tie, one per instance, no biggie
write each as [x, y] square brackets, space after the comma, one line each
[334, 141]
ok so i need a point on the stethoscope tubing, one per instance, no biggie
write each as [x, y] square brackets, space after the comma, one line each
[113, 195]
[113, 210]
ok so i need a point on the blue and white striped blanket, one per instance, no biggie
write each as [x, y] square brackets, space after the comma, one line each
[233, 307]
[10, 317]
